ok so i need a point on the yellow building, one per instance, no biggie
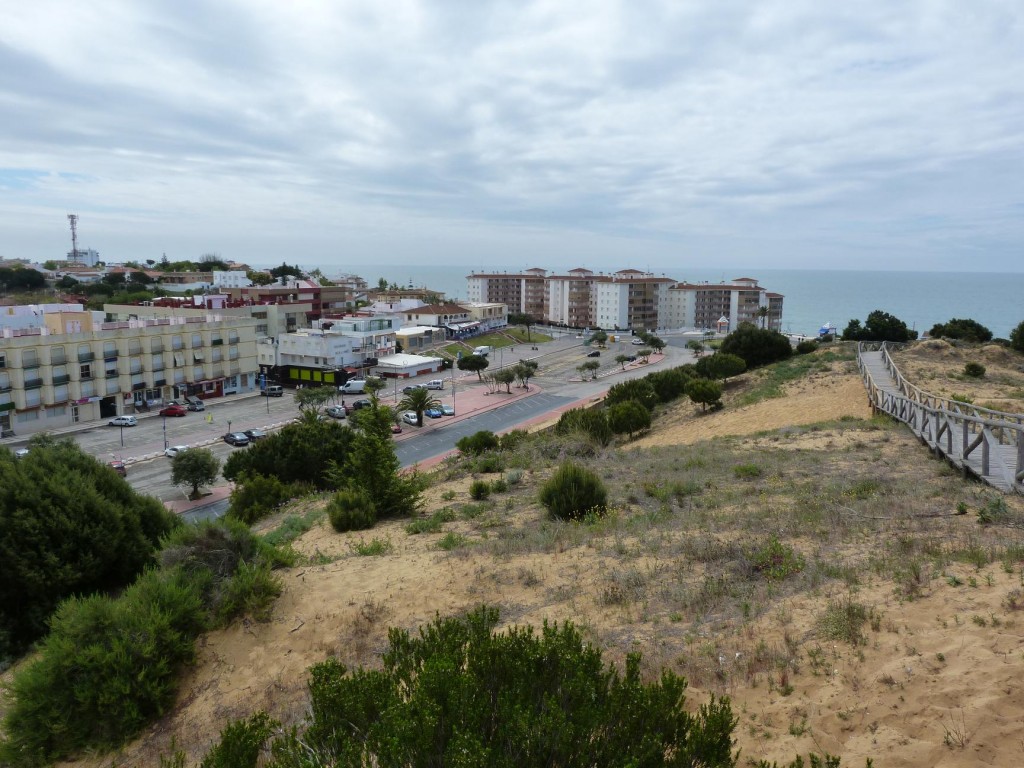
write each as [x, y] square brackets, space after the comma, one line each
[74, 368]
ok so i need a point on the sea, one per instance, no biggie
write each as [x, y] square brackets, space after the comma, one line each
[813, 298]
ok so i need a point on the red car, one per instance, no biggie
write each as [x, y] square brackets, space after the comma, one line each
[173, 410]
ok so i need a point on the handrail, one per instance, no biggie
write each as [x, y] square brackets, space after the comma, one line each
[935, 419]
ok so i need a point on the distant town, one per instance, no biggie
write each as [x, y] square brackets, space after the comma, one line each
[84, 340]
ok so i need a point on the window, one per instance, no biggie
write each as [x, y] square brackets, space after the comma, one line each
[113, 387]
[52, 413]
[176, 342]
[110, 350]
[156, 345]
[179, 376]
[197, 355]
[3, 359]
[88, 389]
[28, 416]
[197, 373]
[60, 394]
[85, 371]
[135, 347]
[158, 362]
[32, 398]
[232, 337]
[29, 359]
[197, 340]
[57, 356]
[60, 374]
[136, 365]
[179, 359]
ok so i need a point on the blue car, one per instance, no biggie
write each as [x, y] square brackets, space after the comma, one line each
[434, 413]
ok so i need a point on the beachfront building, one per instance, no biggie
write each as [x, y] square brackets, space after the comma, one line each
[523, 293]
[453, 318]
[272, 319]
[706, 305]
[631, 299]
[77, 367]
[489, 316]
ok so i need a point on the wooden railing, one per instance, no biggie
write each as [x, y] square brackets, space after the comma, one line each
[985, 442]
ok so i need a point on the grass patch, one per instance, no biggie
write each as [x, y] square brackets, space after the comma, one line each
[293, 526]
[372, 548]
[451, 541]
[772, 379]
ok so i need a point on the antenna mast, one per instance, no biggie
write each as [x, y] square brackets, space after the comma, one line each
[73, 219]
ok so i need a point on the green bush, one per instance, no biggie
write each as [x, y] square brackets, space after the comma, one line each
[671, 384]
[806, 346]
[573, 492]
[301, 452]
[241, 743]
[628, 417]
[479, 490]
[107, 668]
[776, 561]
[965, 330]
[747, 471]
[513, 439]
[704, 392]
[720, 365]
[351, 509]
[254, 497]
[639, 390]
[461, 694]
[489, 463]
[478, 442]
[879, 326]
[756, 346]
[251, 591]
[591, 421]
[430, 524]
[974, 370]
[499, 485]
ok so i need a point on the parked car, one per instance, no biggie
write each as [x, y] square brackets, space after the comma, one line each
[255, 434]
[118, 466]
[412, 388]
[435, 384]
[396, 429]
[237, 439]
[595, 353]
[409, 417]
[196, 405]
[273, 390]
[448, 410]
[21, 452]
[637, 342]
[434, 413]
[336, 412]
[361, 403]
[122, 421]
[173, 410]
[630, 358]
[174, 450]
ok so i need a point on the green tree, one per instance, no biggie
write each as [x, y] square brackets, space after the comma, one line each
[590, 421]
[372, 465]
[622, 360]
[478, 443]
[259, 277]
[762, 317]
[721, 365]
[588, 368]
[523, 319]
[69, 525]
[645, 353]
[297, 453]
[639, 390]
[705, 392]
[525, 370]
[1017, 337]
[696, 346]
[195, 467]
[756, 346]
[879, 326]
[459, 693]
[965, 330]
[656, 343]
[599, 337]
[419, 400]
[505, 376]
[474, 363]
[311, 399]
[629, 418]
[671, 384]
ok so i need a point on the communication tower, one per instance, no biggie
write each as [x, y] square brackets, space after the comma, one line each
[73, 219]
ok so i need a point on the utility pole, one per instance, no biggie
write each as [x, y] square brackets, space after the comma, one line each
[73, 219]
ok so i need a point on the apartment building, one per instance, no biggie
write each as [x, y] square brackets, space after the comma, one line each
[76, 368]
[489, 316]
[524, 292]
[272, 319]
[723, 306]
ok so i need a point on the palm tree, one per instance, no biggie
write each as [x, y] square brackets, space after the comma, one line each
[419, 400]
[762, 314]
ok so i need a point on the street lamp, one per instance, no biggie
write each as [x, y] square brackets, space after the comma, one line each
[453, 395]
[263, 387]
[229, 426]
[165, 432]
[122, 434]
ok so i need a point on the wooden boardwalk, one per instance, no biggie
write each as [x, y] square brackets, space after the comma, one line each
[987, 444]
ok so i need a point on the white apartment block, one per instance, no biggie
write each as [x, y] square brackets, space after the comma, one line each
[524, 292]
[490, 316]
[329, 352]
[723, 306]
[230, 279]
[77, 369]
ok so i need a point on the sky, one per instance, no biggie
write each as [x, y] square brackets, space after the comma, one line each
[782, 134]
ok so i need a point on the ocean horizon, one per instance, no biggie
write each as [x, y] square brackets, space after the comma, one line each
[812, 297]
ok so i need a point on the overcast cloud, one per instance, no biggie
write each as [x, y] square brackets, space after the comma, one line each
[781, 133]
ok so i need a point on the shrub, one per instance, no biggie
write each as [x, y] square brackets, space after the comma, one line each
[591, 421]
[465, 695]
[241, 743]
[499, 485]
[628, 417]
[639, 390]
[514, 476]
[806, 346]
[489, 463]
[479, 490]
[430, 524]
[721, 365]
[966, 330]
[301, 452]
[512, 439]
[671, 384]
[879, 326]
[372, 548]
[776, 561]
[352, 509]
[974, 370]
[255, 497]
[451, 541]
[251, 591]
[572, 492]
[756, 346]
[477, 443]
[747, 471]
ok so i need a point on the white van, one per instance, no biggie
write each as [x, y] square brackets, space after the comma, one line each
[485, 351]
[353, 387]
[273, 390]
[435, 384]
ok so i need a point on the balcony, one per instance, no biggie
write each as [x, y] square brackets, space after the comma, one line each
[159, 382]
[109, 354]
[216, 342]
[30, 363]
[33, 383]
[86, 357]
[138, 387]
[58, 380]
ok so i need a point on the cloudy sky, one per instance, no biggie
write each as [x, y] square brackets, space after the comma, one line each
[778, 133]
